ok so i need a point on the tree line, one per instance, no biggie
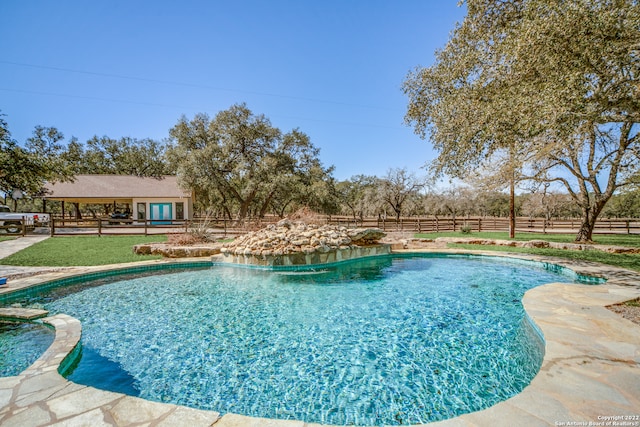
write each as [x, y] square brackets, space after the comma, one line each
[241, 168]
[525, 94]
[237, 163]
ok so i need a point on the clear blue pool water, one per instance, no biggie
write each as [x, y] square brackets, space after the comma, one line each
[391, 340]
[21, 344]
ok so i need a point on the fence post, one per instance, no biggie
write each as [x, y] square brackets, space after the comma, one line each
[145, 226]
[99, 227]
[53, 226]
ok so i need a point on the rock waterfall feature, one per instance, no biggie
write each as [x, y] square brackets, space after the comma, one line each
[289, 243]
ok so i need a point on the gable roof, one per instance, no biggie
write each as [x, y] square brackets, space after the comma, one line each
[109, 188]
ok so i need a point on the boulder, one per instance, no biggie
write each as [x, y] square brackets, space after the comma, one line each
[289, 237]
[535, 244]
[176, 251]
[366, 236]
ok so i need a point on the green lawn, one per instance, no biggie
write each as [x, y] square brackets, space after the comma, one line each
[94, 250]
[3, 238]
[632, 240]
[65, 251]
[630, 261]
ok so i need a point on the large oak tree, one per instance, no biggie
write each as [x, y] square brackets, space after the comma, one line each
[240, 162]
[550, 86]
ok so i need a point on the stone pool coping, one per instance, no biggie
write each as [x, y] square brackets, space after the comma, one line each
[590, 372]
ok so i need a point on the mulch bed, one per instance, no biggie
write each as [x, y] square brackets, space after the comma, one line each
[630, 310]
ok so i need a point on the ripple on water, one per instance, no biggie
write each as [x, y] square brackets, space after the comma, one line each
[384, 341]
[21, 344]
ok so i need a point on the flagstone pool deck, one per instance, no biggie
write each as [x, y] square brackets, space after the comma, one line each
[590, 374]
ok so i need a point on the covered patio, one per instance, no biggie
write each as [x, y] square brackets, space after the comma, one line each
[132, 197]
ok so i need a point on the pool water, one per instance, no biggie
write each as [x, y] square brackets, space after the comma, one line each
[21, 344]
[390, 340]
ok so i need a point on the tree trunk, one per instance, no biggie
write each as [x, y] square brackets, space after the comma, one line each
[589, 216]
[585, 232]
[284, 208]
[227, 212]
[244, 209]
[77, 209]
[265, 205]
[245, 204]
[512, 194]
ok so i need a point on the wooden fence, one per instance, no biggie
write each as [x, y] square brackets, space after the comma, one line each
[107, 226]
[226, 227]
[478, 224]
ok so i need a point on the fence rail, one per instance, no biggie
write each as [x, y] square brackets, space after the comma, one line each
[108, 226]
[478, 224]
[226, 227]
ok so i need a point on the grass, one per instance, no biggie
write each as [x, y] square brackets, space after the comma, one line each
[93, 250]
[64, 251]
[3, 238]
[628, 261]
[600, 239]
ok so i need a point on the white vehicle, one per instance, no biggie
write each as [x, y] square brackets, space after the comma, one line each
[12, 221]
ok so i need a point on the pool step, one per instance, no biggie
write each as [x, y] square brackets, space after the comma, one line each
[24, 314]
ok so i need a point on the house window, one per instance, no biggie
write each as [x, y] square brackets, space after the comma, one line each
[179, 210]
[142, 211]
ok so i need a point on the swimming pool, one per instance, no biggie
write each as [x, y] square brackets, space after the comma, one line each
[21, 344]
[392, 340]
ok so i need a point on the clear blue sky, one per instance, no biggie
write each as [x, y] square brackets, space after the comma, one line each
[118, 68]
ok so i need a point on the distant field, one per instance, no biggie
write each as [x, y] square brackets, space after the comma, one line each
[632, 240]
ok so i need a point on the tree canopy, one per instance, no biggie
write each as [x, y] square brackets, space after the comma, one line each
[552, 84]
[241, 162]
[46, 157]
[398, 187]
[124, 156]
[26, 169]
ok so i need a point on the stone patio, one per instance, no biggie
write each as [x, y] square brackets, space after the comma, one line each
[590, 373]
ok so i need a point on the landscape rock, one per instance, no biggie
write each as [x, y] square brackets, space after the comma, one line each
[175, 251]
[535, 244]
[441, 242]
[290, 237]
